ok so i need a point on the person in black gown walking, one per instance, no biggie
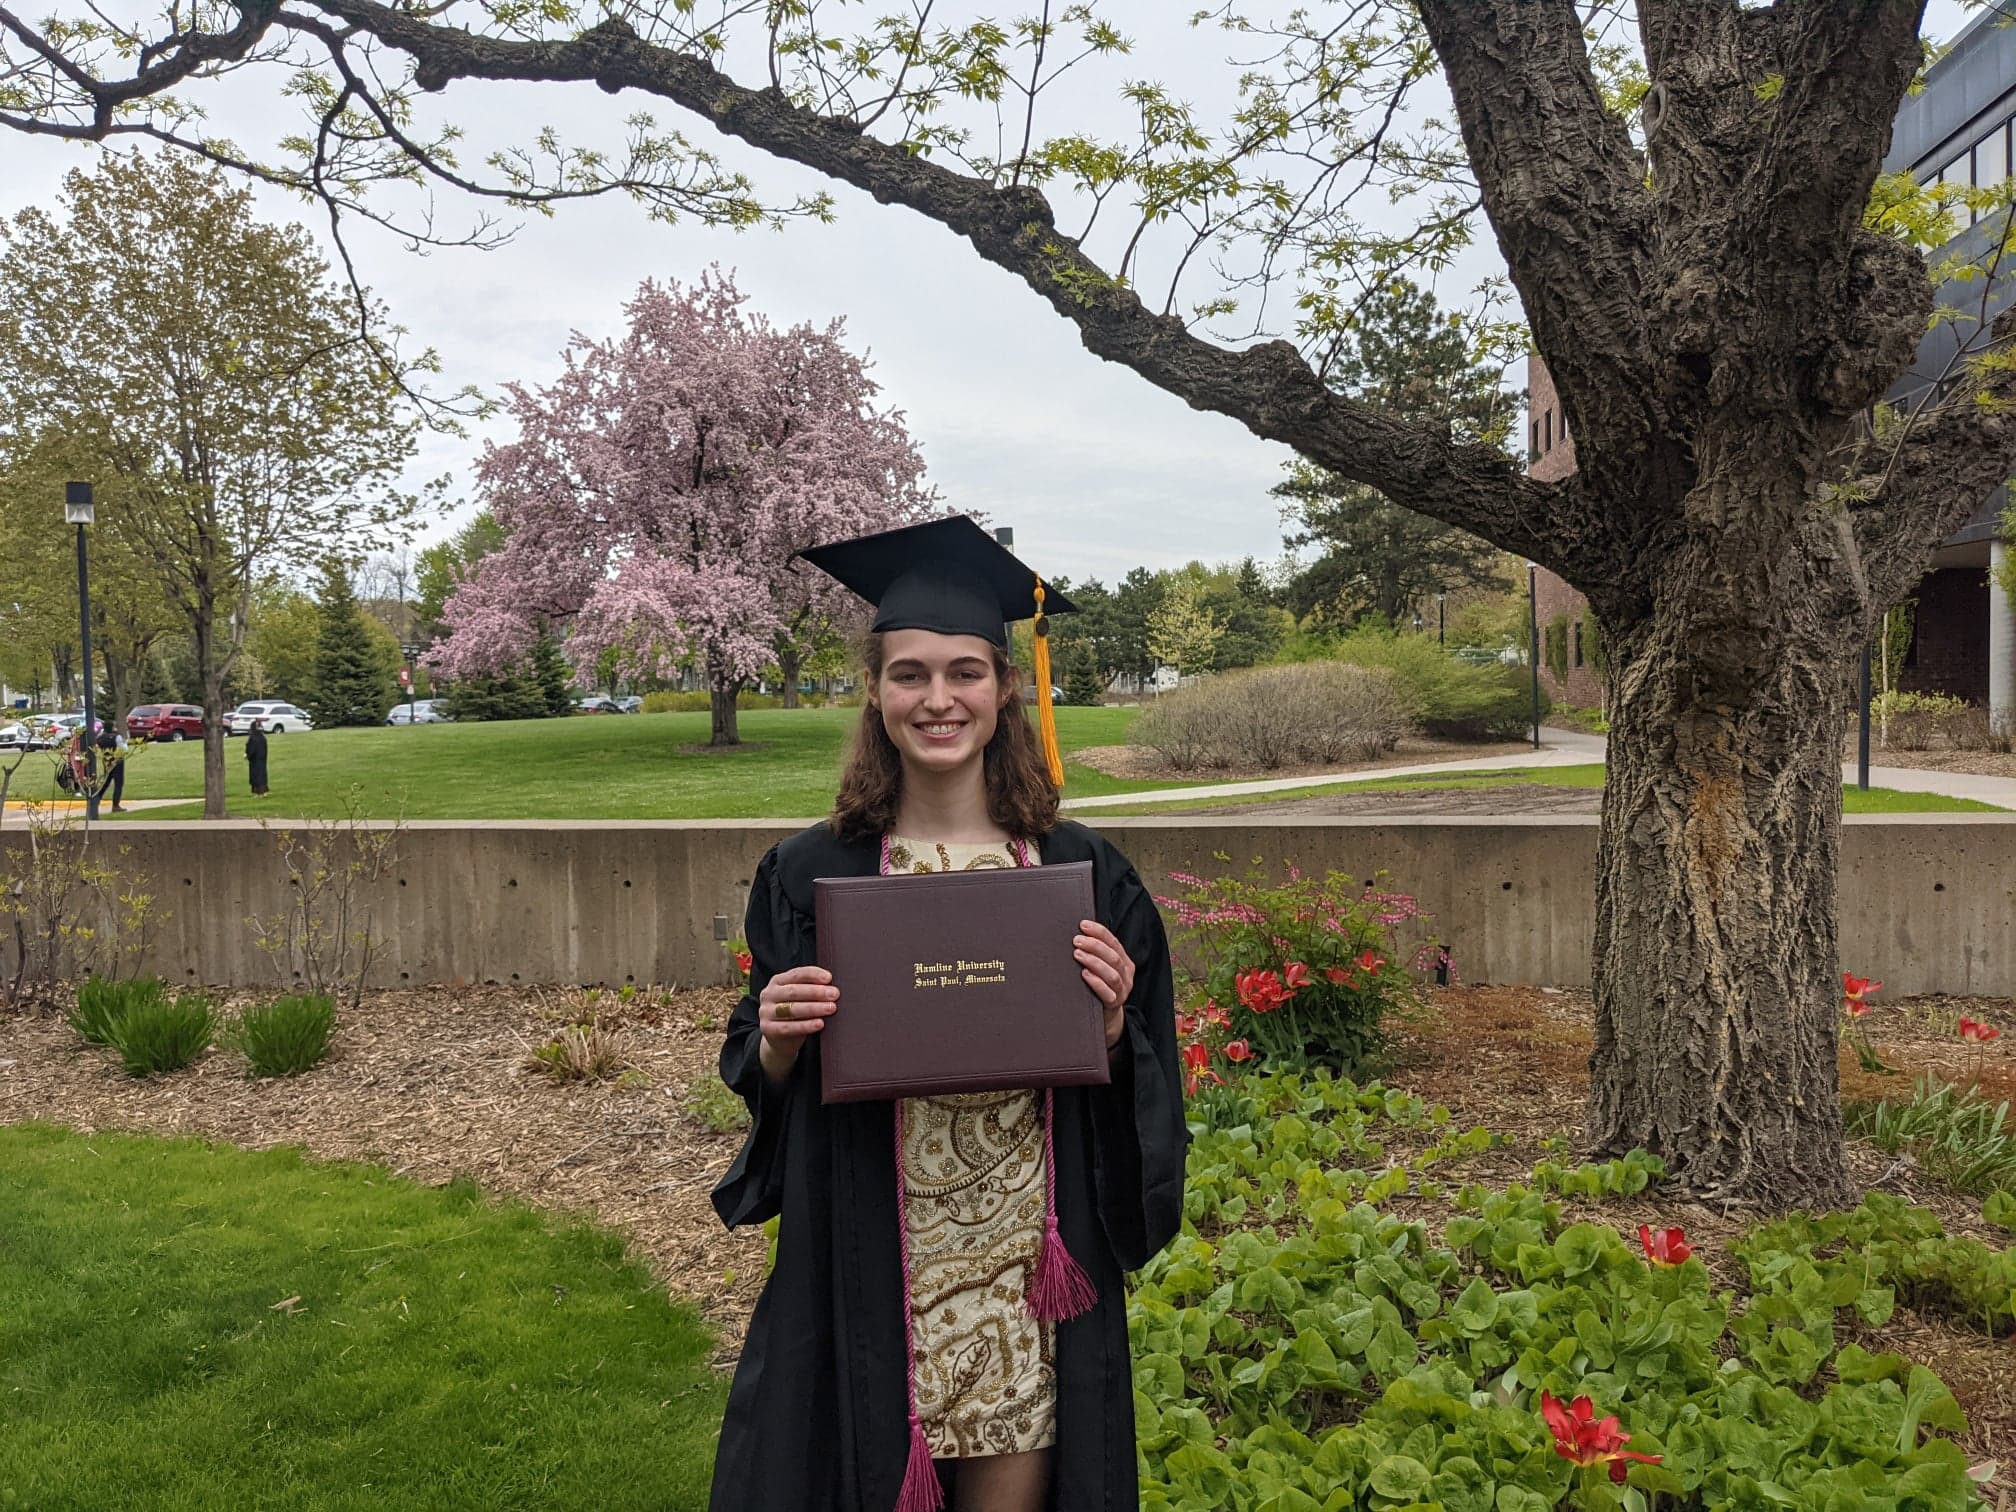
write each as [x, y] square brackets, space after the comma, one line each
[255, 757]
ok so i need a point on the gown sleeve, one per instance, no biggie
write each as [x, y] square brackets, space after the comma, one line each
[1140, 1136]
[753, 1189]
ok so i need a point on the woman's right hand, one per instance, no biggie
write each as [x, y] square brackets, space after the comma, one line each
[793, 1005]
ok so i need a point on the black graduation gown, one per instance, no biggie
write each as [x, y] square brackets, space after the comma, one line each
[817, 1417]
[255, 760]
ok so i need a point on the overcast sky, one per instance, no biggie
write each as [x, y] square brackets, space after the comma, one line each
[1095, 468]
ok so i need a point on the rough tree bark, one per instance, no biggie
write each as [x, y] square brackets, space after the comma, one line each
[1714, 317]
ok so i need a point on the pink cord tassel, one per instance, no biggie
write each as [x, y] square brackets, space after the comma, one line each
[921, 1491]
[1059, 1289]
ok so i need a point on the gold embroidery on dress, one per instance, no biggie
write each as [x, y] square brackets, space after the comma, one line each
[973, 1170]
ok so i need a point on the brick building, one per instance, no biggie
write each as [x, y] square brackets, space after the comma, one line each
[1960, 129]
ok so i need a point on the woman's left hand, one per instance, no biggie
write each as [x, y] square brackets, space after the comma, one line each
[1108, 971]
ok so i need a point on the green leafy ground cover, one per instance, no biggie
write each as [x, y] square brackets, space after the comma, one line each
[1338, 1329]
[1588, 775]
[440, 1350]
[642, 766]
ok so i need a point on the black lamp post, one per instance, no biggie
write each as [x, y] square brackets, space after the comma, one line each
[79, 511]
[1441, 619]
[1533, 641]
[1862, 731]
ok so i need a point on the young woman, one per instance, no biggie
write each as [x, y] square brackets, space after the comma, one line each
[958, 1320]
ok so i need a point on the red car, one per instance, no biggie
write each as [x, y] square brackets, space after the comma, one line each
[165, 722]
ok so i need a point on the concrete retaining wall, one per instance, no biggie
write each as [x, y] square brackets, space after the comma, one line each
[1927, 901]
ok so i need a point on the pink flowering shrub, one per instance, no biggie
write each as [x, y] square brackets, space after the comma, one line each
[1301, 972]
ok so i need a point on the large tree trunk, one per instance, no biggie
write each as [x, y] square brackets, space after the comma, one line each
[788, 663]
[210, 669]
[1716, 959]
[721, 690]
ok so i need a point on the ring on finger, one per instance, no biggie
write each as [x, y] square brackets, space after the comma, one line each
[784, 1011]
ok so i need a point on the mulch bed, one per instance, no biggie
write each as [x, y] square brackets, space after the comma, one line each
[1978, 763]
[1134, 763]
[433, 1084]
[1521, 798]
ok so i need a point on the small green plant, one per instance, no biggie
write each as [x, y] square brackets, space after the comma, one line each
[580, 1052]
[1955, 1134]
[102, 1003]
[710, 1104]
[286, 1036]
[158, 1036]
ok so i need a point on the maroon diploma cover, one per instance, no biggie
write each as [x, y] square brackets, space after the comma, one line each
[957, 982]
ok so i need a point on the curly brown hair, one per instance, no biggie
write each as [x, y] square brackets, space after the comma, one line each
[1020, 796]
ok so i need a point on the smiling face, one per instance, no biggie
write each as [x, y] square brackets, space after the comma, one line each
[939, 696]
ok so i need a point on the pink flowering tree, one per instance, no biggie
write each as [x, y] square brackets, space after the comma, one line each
[657, 490]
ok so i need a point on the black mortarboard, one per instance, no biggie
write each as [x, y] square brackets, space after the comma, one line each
[944, 575]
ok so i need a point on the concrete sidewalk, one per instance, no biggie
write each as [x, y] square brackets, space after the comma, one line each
[1559, 748]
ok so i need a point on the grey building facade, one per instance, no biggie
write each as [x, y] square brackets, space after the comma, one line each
[1961, 129]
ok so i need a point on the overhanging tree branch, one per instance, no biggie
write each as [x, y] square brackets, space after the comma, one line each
[1268, 387]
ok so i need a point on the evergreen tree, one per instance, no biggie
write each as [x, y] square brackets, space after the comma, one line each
[551, 676]
[350, 684]
[1081, 677]
[509, 695]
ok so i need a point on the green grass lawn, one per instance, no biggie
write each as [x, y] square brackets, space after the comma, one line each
[445, 1352]
[658, 766]
[1590, 775]
[644, 766]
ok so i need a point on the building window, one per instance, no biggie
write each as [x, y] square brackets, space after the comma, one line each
[1535, 448]
[1547, 430]
[1575, 630]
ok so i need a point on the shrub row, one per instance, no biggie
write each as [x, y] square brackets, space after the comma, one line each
[1270, 717]
[1923, 721]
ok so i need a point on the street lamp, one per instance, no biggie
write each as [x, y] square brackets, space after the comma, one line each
[1533, 640]
[1441, 619]
[79, 511]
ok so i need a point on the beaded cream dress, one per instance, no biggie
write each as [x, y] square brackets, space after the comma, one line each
[973, 1167]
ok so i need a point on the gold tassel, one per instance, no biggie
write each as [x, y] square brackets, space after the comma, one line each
[1046, 717]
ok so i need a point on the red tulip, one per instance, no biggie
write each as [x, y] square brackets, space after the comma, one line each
[1186, 1024]
[1370, 960]
[1977, 1032]
[1581, 1437]
[1238, 1050]
[1262, 991]
[1297, 974]
[1217, 1017]
[1854, 989]
[1197, 1061]
[1664, 1246]
[743, 961]
[1343, 976]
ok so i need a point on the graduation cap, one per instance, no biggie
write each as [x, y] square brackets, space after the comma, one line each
[952, 577]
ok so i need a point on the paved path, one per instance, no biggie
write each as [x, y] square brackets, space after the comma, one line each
[1559, 748]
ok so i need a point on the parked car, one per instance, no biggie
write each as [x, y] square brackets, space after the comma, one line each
[280, 718]
[22, 737]
[57, 728]
[165, 722]
[601, 706]
[1029, 695]
[420, 711]
[631, 704]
